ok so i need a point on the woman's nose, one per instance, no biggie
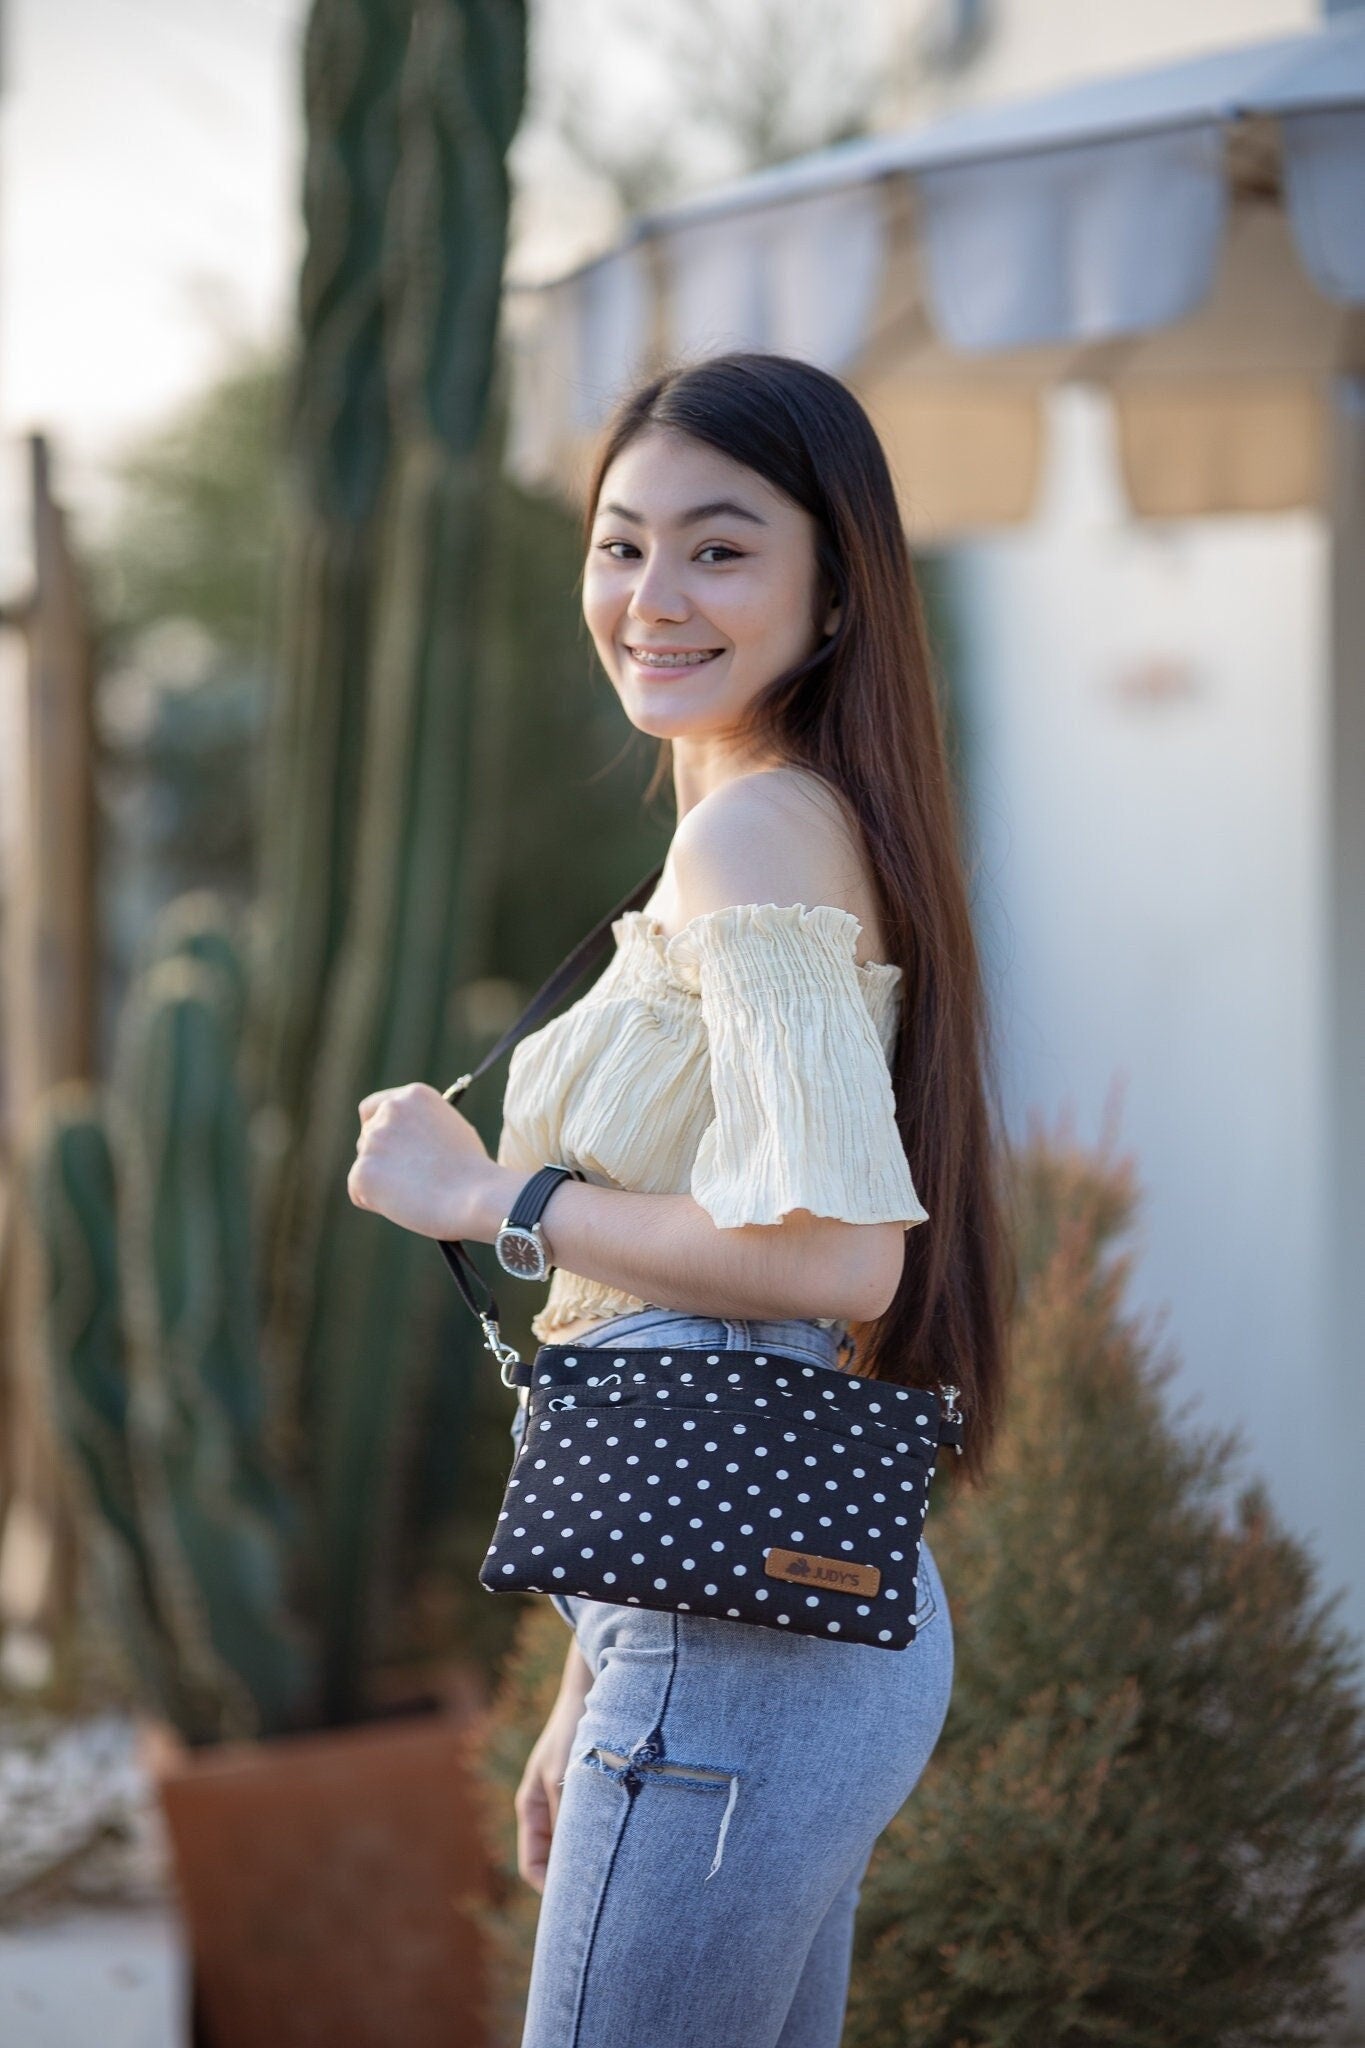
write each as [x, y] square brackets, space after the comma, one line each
[657, 594]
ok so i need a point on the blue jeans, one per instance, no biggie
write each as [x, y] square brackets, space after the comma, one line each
[723, 1794]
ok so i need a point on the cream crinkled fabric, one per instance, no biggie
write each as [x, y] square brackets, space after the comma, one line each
[745, 1060]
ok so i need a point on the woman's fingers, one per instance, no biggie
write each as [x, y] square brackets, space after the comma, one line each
[535, 1827]
[536, 1804]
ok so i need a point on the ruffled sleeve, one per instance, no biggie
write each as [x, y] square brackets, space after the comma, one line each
[804, 1111]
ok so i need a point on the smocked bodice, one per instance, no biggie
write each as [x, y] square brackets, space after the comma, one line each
[745, 1059]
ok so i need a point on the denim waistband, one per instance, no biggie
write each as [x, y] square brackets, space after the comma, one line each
[796, 1336]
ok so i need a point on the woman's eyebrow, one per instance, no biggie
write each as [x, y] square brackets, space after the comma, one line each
[716, 509]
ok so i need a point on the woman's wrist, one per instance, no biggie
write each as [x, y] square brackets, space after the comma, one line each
[490, 1199]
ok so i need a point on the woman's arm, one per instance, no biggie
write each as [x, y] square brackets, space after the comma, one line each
[423, 1164]
[666, 1249]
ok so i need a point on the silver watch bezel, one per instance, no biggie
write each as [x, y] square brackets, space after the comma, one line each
[523, 1233]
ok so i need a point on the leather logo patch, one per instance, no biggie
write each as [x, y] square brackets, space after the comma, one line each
[834, 1574]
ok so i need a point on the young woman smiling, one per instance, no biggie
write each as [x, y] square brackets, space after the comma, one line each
[793, 1022]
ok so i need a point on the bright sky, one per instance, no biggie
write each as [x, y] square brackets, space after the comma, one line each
[149, 159]
[150, 164]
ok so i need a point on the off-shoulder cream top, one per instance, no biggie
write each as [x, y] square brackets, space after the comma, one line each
[744, 1060]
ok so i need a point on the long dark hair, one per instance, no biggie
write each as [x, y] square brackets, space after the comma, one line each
[863, 712]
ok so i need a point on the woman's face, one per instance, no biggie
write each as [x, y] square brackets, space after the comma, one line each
[695, 556]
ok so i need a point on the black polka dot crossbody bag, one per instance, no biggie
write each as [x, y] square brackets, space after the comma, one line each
[746, 1485]
[742, 1484]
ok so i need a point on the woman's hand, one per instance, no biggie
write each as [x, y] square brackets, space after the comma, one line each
[536, 1803]
[421, 1163]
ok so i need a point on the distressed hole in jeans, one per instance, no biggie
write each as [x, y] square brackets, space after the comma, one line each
[696, 1777]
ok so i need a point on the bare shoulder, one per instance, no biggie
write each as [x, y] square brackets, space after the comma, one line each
[778, 835]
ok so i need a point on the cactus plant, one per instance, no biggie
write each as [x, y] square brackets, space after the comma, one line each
[353, 1299]
[339, 441]
[72, 1194]
[144, 1203]
[235, 1348]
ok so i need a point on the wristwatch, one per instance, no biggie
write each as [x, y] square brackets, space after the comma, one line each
[520, 1243]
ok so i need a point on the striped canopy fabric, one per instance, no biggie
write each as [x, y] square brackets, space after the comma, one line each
[1191, 237]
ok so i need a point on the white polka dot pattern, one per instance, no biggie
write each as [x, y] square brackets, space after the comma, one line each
[666, 1479]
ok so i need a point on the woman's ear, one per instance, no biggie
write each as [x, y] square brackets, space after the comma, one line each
[831, 619]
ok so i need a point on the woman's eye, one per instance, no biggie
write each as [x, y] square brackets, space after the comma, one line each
[715, 547]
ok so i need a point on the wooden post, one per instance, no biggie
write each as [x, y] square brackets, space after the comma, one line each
[48, 1008]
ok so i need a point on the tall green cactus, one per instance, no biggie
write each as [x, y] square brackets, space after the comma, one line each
[72, 1192]
[407, 943]
[219, 1523]
[237, 1401]
[145, 1205]
[339, 442]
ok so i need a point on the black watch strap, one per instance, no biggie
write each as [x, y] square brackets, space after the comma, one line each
[530, 1203]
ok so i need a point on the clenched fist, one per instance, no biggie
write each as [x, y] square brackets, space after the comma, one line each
[421, 1163]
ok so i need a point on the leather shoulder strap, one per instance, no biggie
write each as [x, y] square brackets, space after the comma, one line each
[569, 971]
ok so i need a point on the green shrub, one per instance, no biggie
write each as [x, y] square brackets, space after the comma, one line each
[1141, 1825]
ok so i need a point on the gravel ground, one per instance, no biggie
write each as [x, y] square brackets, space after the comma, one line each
[92, 1949]
[79, 1822]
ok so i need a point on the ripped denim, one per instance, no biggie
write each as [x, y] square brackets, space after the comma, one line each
[723, 1794]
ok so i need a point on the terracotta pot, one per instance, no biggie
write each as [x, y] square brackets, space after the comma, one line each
[327, 1882]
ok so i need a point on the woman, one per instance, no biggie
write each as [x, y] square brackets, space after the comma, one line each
[795, 1016]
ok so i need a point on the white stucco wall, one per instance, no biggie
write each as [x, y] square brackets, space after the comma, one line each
[1148, 710]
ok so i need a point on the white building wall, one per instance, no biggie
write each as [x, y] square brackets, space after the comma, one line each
[1147, 710]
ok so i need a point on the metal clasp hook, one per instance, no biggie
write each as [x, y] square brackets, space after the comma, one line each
[506, 1354]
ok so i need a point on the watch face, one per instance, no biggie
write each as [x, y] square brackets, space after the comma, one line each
[519, 1252]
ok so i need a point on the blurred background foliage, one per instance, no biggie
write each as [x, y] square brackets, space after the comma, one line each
[200, 507]
[184, 591]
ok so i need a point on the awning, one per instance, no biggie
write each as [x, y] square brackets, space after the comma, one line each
[1192, 237]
